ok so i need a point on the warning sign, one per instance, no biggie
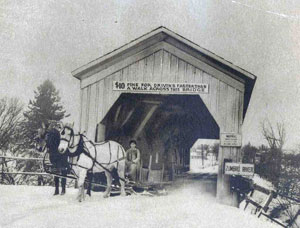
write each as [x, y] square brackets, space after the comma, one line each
[239, 169]
[188, 88]
[231, 139]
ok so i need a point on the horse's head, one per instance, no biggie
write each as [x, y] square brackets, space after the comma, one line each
[66, 138]
[48, 137]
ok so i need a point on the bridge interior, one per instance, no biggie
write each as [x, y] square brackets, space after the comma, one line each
[164, 126]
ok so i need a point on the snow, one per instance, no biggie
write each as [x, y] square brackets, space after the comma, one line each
[262, 182]
[207, 170]
[32, 206]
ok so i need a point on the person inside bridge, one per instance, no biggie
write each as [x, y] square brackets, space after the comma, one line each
[133, 157]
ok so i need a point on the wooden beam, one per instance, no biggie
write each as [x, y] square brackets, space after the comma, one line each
[117, 113]
[146, 119]
[152, 102]
[128, 117]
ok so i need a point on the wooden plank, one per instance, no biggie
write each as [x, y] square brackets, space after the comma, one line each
[139, 70]
[86, 125]
[83, 109]
[207, 97]
[204, 66]
[157, 67]
[111, 95]
[181, 71]
[199, 79]
[274, 220]
[241, 110]
[97, 99]
[116, 94]
[92, 120]
[150, 39]
[230, 111]
[129, 49]
[214, 98]
[222, 106]
[148, 70]
[100, 101]
[97, 76]
[131, 72]
[125, 74]
[105, 97]
[190, 73]
[188, 46]
[199, 75]
[174, 69]
[118, 77]
[166, 71]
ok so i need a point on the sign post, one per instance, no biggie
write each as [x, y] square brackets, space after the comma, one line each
[230, 143]
[239, 169]
[231, 139]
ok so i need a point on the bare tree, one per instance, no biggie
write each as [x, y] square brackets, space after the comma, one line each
[275, 136]
[10, 118]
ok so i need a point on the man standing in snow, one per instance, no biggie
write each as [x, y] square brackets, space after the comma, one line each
[132, 160]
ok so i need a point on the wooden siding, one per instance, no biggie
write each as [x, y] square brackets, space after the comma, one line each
[224, 101]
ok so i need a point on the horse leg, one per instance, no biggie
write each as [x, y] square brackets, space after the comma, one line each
[56, 181]
[89, 185]
[63, 182]
[108, 181]
[121, 173]
[82, 175]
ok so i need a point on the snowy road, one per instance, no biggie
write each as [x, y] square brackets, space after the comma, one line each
[30, 206]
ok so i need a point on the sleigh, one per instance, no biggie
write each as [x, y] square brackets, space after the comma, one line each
[152, 188]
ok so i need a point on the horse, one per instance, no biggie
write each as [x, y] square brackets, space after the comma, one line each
[108, 156]
[49, 138]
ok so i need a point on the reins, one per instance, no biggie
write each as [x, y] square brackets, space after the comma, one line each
[81, 148]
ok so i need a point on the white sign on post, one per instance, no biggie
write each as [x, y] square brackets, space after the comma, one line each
[239, 169]
[161, 87]
[231, 139]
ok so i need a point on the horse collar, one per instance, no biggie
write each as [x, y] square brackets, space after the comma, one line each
[79, 146]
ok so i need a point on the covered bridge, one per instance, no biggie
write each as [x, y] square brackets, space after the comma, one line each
[166, 92]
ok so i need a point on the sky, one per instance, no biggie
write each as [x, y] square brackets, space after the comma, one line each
[48, 39]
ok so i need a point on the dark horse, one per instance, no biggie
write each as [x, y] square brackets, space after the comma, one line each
[49, 138]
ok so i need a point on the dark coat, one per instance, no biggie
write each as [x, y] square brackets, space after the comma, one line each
[52, 141]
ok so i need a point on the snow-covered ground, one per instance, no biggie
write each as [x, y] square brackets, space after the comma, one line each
[208, 170]
[31, 206]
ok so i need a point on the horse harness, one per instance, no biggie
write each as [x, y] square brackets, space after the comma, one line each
[82, 149]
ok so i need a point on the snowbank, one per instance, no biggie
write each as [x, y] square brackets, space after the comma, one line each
[262, 182]
[30, 206]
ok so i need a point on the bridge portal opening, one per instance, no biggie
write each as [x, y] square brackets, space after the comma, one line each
[164, 126]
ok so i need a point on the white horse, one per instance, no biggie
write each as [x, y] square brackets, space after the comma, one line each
[97, 157]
